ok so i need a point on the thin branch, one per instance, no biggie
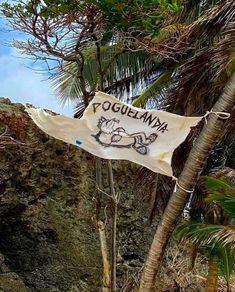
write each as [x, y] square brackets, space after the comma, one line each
[114, 229]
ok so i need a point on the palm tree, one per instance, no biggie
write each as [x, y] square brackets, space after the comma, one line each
[204, 53]
[187, 180]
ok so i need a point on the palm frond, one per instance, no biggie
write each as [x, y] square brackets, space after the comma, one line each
[206, 235]
[225, 235]
[225, 258]
[197, 34]
[153, 89]
[123, 70]
[66, 83]
[195, 231]
[80, 108]
[130, 69]
[221, 191]
[212, 183]
[214, 240]
[226, 199]
[194, 8]
[204, 49]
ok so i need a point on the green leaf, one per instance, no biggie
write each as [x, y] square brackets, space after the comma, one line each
[221, 191]
[226, 198]
[212, 183]
[226, 259]
[122, 71]
[153, 89]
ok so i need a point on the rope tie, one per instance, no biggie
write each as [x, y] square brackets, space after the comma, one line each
[179, 186]
[220, 115]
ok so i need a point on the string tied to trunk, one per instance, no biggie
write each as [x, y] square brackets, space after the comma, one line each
[177, 185]
[220, 115]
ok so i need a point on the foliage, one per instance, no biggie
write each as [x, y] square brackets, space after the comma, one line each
[122, 70]
[156, 88]
[91, 41]
[225, 259]
[145, 16]
[215, 239]
[202, 48]
[212, 240]
[221, 191]
[194, 38]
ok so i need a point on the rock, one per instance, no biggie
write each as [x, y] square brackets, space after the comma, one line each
[48, 234]
[5, 100]
[11, 282]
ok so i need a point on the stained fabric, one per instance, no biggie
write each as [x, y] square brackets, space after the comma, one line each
[111, 129]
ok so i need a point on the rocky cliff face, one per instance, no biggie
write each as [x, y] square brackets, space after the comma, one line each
[48, 235]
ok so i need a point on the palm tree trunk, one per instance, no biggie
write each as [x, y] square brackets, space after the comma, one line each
[187, 180]
[212, 277]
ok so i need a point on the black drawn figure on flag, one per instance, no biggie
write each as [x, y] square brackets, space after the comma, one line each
[110, 135]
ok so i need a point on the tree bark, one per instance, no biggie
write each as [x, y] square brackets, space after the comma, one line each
[105, 257]
[187, 180]
[114, 229]
[212, 277]
[102, 234]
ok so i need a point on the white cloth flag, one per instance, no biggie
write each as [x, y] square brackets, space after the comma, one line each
[113, 130]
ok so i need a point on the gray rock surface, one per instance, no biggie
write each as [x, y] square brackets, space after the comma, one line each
[48, 236]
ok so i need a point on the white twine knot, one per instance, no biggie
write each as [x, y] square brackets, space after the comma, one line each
[220, 115]
[179, 186]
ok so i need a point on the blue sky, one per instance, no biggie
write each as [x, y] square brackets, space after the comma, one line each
[22, 84]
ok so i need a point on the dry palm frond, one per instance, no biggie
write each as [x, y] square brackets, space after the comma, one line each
[226, 235]
[200, 80]
[205, 28]
[201, 53]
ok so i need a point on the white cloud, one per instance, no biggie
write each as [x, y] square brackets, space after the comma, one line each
[24, 85]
